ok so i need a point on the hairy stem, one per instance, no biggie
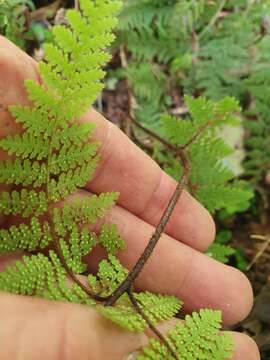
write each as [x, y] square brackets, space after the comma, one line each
[140, 311]
[134, 273]
[154, 136]
[69, 272]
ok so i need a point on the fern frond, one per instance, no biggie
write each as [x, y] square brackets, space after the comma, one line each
[89, 33]
[211, 179]
[34, 120]
[220, 252]
[23, 203]
[157, 308]
[204, 114]
[79, 244]
[224, 196]
[197, 338]
[83, 211]
[124, 316]
[26, 146]
[75, 134]
[23, 172]
[148, 81]
[110, 274]
[25, 237]
[137, 14]
[64, 161]
[41, 276]
[70, 156]
[69, 181]
[110, 239]
[177, 131]
[45, 101]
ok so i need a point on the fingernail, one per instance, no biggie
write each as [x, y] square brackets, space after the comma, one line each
[132, 356]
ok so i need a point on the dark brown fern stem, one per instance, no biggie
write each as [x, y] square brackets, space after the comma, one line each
[135, 272]
[155, 136]
[151, 326]
[69, 272]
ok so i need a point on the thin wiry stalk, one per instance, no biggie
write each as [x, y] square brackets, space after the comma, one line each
[140, 311]
[134, 273]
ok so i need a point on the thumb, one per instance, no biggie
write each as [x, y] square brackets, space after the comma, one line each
[33, 329]
[37, 329]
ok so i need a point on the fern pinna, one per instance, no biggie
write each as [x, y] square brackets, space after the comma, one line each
[54, 157]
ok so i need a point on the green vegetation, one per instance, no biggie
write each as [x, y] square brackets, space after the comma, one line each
[211, 48]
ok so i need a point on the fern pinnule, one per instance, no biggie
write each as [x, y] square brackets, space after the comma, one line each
[198, 337]
[211, 180]
[23, 203]
[25, 238]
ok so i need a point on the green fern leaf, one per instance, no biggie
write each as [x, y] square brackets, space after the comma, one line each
[197, 338]
[83, 212]
[223, 197]
[41, 276]
[210, 179]
[25, 237]
[34, 120]
[156, 307]
[70, 156]
[110, 274]
[79, 244]
[124, 316]
[177, 131]
[75, 134]
[24, 203]
[110, 239]
[23, 173]
[69, 181]
[220, 252]
[55, 153]
[25, 146]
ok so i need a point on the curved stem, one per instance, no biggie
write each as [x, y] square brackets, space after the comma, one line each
[154, 135]
[69, 272]
[140, 311]
[134, 273]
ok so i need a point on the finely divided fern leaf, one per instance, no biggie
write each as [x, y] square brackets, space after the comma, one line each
[220, 252]
[197, 338]
[25, 238]
[210, 180]
[26, 203]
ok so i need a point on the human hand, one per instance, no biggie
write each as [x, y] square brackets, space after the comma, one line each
[35, 328]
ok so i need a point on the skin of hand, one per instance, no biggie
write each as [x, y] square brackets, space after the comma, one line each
[34, 328]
